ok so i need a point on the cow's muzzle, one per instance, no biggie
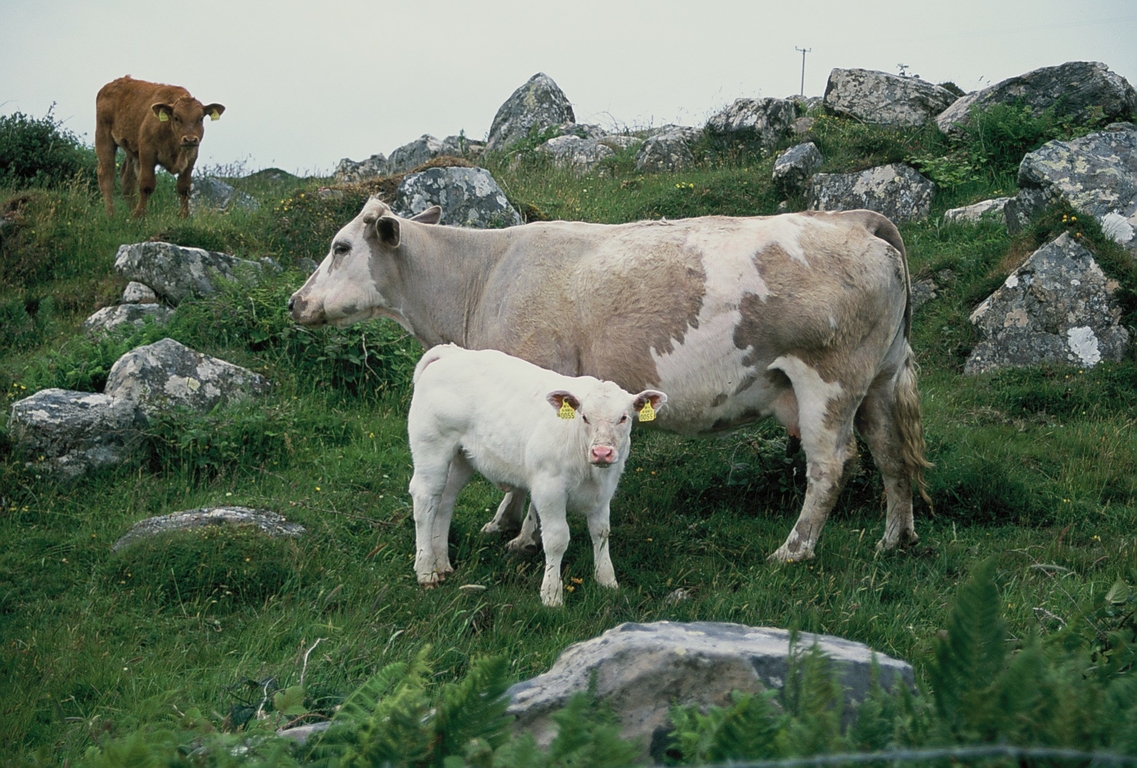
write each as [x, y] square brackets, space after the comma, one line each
[602, 456]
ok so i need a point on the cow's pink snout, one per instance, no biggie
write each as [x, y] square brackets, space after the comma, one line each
[603, 454]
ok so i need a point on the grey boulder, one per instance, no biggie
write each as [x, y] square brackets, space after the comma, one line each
[537, 105]
[469, 197]
[210, 193]
[109, 318]
[177, 273]
[794, 168]
[352, 171]
[668, 150]
[764, 122]
[881, 98]
[266, 522]
[898, 191]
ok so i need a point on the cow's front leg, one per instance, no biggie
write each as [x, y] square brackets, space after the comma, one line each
[507, 519]
[146, 185]
[185, 183]
[599, 529]
[555, 538]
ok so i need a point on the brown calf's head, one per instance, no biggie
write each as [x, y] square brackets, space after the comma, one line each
[186, 118]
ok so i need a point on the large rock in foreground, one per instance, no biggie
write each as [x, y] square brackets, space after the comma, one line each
[643, 670]
[1058, 307]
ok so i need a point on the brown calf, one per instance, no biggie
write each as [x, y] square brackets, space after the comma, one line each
[155, 124]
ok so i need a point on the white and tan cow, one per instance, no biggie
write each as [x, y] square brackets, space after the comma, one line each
[564, 439]
[803, 317]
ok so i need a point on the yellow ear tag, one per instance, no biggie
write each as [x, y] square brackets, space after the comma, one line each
[647, 413]
[215, 115]
[163, 117]
[566, 411]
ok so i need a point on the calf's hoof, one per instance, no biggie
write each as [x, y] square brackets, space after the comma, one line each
[785, 555]
[903, 540]
[522, 547]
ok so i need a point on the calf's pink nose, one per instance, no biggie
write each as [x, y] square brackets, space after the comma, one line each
[602, 454]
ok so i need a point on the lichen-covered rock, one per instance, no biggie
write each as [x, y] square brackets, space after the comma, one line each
[762, 122]
[897, 191]
[166, 374]
[137, 293]
[351, 171]
[583, 154]
[206, 192]
[460, 146]
[414, 154]
[969, 214]
[538, 105]
[794, 168]
[1058, 307]
[469, 197]
[878, 97]
[1096, 175]
[668, 150]
[177, 273]
[267, 522]
[65, 434]
[109, 318]
[642, 670]
[1077, 91]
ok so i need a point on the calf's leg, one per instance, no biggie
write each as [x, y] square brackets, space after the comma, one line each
[434, 483]
[599, 530]
[550, 506]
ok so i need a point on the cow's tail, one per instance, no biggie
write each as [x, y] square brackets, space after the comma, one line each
[909, 423]
[431, 355]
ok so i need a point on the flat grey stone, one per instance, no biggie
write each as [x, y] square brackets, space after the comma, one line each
[268, 523]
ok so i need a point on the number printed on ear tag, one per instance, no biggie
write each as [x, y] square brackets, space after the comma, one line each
[566, 411]
[647, 413]
[163, 117]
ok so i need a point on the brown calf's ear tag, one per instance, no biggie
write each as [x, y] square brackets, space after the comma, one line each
[647, 413]
[163, 117]
[215, 115]
[566, 411]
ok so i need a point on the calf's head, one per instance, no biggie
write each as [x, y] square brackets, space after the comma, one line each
[353, 281]
[186, 118]
[606, 413]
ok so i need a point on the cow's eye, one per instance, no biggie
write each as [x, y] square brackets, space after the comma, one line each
[339, 249]
[584, 417]
[623, 418]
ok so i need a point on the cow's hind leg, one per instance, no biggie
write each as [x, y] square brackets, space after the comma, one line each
[825, 418]
[507, 520]
[434, 488]
[528, 540]
[889, 421]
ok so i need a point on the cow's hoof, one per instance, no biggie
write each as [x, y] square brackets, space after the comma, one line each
[784, 555]
[522, 548]
[903, 541]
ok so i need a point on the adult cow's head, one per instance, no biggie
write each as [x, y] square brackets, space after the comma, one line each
[186, 118]
[348, 285]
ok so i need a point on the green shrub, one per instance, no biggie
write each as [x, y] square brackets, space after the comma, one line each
[41, 152]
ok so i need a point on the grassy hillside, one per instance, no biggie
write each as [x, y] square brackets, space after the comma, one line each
[1035, 468]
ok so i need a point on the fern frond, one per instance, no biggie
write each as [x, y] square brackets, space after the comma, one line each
[473, 709]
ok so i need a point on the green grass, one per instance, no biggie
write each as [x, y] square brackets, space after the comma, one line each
[1035, 468]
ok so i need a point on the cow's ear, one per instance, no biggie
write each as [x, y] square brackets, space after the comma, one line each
[565, 403]
[431, 215]
[162, 111]
[646, 403]
[215, 111]
[387, 230]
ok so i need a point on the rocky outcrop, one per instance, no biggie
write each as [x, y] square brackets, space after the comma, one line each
[350, 171]
[642, 670]
[794, 168]
[414, 154]
[537, 105]
[1095, 175]
[208, 193]
[469, 197]
[1058, 307]
[582, 154]
[1078, 91]
[878, 97]
[167, 374]
[266, 522]
[668, 150]
[758, 122]
[970, 214]
[896, 190]
[66, 434]
[137, 293]
[177, 273]
[109, 318]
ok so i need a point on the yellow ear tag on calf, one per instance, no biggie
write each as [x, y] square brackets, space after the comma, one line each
[647, 413]
[215, 115]
[566, 411]
[163, 117]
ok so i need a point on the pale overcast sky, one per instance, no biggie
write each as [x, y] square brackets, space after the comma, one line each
[308, 83]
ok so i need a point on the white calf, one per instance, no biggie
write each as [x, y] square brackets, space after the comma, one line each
[563, 439]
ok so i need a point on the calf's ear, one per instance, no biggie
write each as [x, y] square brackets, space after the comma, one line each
[431, 215]
[646, 403]
[564, 402]
[215, 111]
[162, 111]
